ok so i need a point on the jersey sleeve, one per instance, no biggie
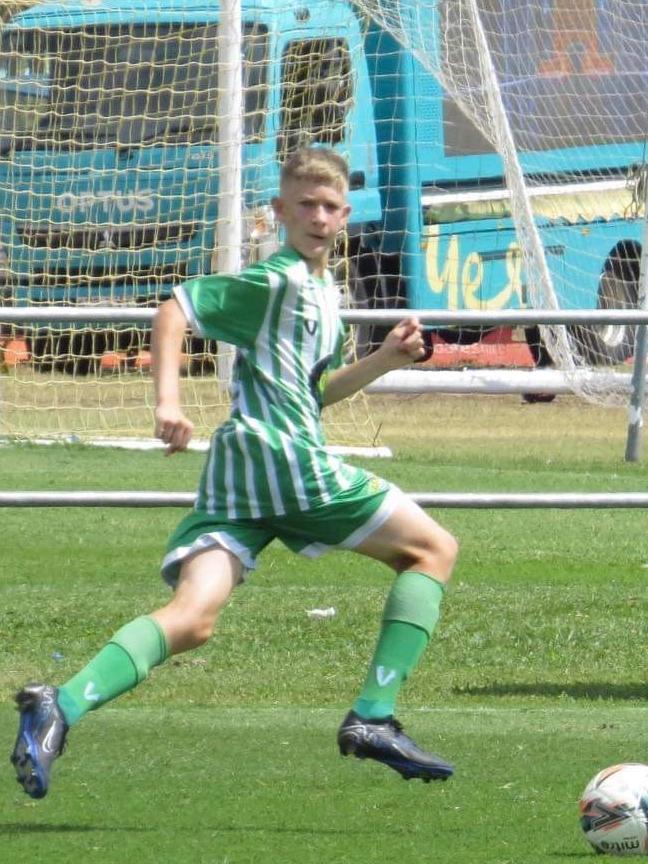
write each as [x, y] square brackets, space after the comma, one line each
[337, 360]
[230, 308]
[333, 361]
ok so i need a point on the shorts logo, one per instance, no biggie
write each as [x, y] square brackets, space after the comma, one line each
[376, 484]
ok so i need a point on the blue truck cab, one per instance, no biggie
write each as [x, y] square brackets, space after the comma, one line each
[109, 160]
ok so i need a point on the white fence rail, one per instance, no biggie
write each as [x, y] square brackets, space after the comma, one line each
[441, 500]
[497, 381]
[477, 381]
[485, 381]
[440, 317]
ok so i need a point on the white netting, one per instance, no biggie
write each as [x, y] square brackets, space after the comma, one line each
[558, 89]
[494, 146]
[114, 122]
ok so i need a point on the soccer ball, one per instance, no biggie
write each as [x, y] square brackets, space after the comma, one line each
[614, 810]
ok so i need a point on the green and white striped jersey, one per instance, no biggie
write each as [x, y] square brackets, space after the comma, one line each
[269, 457]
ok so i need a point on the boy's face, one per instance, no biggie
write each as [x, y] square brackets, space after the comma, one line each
[312, 214]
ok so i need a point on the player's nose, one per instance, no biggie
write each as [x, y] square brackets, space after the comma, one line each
[319, 214]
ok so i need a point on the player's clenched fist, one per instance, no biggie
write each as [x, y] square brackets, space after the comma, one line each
[405, 342]
[173, 428]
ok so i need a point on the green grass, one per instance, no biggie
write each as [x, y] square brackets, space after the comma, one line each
[200, 786]
[534, 681]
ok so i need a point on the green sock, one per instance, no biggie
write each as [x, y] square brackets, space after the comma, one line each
[410, 616]
[125, 661]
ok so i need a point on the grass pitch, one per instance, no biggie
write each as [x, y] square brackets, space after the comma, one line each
[533, 682]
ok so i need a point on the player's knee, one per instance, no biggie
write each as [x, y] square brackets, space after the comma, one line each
[441, 554]
[450, 549]
[193, 630]
[202, 630]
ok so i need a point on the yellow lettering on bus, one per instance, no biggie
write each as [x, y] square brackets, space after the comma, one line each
[472, 274]
[446, 277]
[463, 285]
[512, 287]
[514, 272]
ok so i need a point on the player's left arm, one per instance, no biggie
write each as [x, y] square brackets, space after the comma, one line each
[403, 345]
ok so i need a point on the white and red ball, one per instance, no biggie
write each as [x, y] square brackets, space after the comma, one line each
[614, 810]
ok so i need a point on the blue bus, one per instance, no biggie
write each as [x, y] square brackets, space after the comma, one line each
[109, 158]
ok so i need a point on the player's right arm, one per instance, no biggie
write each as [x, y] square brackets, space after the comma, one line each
[171, 425]
[401, 346]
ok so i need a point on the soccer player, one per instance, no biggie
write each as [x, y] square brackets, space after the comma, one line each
[269, 475]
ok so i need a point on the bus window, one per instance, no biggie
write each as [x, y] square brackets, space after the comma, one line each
[122, 84]
[316, 93]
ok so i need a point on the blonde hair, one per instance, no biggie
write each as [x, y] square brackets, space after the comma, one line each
[318, 164]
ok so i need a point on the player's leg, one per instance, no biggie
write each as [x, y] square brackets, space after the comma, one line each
[204, 588]
[46, 712]
[409, 539]
[423, 555]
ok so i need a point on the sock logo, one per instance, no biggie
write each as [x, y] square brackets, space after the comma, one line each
[384, 676]
[90, 694]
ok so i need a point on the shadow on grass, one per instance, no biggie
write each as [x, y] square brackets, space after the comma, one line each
[575, 690]
[586, 853]
[17, 828]
[62, 828]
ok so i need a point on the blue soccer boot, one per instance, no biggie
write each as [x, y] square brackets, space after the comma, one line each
[385, 741]
[41, 737]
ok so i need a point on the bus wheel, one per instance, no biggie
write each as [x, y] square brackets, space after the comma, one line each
[541, 357]
[609, 344]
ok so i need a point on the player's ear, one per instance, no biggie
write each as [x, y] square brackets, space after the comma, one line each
[277, 206]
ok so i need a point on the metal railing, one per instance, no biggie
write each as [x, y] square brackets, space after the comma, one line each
[441, 500]
[440, 317]
[524, 317]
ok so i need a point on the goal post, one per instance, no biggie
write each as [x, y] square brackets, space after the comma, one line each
[229, 229]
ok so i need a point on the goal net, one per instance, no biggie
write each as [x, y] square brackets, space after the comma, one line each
[114, 118]
[556, 89]
[496, 150]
